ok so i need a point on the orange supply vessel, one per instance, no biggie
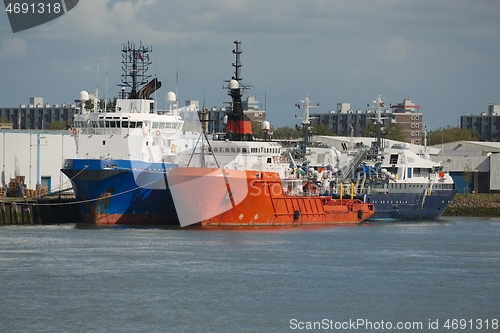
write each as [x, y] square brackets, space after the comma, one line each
[226, 197]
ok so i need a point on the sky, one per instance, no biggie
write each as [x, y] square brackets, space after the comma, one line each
[442, 54]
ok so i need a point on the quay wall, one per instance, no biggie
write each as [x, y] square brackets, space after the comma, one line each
[20, 211]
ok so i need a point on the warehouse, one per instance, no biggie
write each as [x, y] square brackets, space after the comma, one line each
[32, 159]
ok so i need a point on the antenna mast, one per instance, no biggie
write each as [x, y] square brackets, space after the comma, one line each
[306, 105]
[237, 51]
[135, 64]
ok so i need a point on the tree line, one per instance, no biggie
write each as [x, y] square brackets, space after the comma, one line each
[392, 131]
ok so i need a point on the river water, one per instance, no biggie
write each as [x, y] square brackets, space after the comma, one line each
[385, 277]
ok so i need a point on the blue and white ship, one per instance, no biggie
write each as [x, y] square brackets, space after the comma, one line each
[123, 152]
[401, 184]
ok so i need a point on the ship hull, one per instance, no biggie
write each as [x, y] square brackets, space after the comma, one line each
[121, 192]
[408, 206]
[223, 197]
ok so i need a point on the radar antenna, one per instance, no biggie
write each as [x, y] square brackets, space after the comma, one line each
[135, 64]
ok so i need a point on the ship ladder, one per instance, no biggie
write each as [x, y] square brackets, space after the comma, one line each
[356, 186]
[353, 164]
[361, 185]
[424, 195]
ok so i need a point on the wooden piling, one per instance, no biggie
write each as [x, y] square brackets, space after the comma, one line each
[27, 216]
[3, 213]
[15, 213]
[18, 211]
[36, 214]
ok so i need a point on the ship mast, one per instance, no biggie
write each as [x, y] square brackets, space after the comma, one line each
[306, 105]
[378, 123]
[238, 126]
[135, 64]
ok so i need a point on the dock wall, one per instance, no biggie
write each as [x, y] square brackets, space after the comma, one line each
[39, 211]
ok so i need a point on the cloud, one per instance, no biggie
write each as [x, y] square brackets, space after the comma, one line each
[14, 48]
[395, 50]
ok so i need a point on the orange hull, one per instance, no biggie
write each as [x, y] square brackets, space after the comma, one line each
[222, 197]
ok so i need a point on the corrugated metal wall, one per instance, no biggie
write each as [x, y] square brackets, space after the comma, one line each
[35, 154]
[495, 173]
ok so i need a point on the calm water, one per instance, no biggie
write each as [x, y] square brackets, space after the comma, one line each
[74, 279]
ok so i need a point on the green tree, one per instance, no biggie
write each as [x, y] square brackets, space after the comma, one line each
[286, 133]
[395, 132]
[257, 130]
[322, 129]
[467, 175]
[89, 105]
[4, 120]
[370, 130]
[57, 125]
[112, 103]
[392, 131]
[451, 134]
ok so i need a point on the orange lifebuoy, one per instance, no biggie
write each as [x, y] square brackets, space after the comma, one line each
[73, 131]
[158, 132]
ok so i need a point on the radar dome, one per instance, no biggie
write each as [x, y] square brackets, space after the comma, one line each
[171, 98]
[84, 96]
[265, 125]
[233, 84]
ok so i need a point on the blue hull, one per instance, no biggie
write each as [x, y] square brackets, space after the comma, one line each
[121, 192]
[408, 206]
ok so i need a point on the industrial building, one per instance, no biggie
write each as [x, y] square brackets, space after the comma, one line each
[37, 156]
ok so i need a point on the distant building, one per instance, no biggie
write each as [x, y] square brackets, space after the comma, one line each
[486, 124]
[346, 122]
[37, 115]
[407, 115]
